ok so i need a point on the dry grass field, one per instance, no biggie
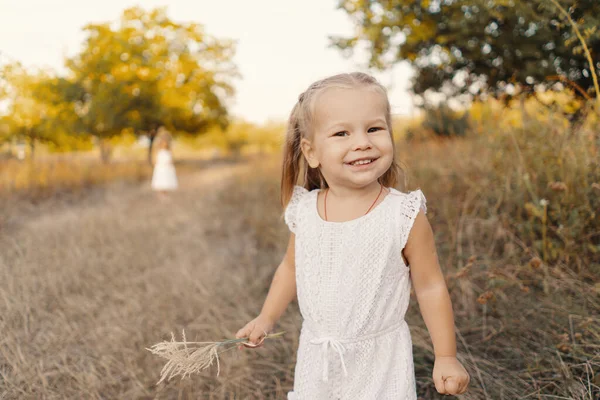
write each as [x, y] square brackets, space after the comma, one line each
[90, 278]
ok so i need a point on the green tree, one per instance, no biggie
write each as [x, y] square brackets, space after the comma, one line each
[479, 46]
[147, 72]
[34, 114]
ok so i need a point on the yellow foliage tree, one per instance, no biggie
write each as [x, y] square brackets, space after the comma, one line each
[34, 114]
[146, 72]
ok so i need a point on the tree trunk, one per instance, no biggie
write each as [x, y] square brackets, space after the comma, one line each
[105, 151]
[31, 148]
[524, 114]
[151, 136]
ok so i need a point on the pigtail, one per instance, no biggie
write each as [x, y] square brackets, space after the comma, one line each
[292, 156]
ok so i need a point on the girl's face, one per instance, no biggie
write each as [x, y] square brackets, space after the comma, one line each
[349, 125]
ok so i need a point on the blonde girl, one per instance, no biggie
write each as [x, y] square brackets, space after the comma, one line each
[164, 177]
[356, 246]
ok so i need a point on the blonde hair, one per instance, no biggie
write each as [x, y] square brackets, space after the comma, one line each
[164, 139]
[300, 126]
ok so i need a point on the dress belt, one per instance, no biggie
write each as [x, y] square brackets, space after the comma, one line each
[338, 345]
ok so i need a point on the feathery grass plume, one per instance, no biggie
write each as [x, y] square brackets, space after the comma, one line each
[186, 358]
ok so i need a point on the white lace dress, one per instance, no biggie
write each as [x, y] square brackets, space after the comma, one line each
[353, 292]
[163, 175]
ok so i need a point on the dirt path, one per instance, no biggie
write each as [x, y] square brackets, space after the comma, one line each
[87, 285]
[16, 212]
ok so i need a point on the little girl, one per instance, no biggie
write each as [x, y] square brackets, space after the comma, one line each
[356, 244]
[164, 177]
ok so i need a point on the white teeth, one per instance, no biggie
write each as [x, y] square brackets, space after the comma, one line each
[361, 162]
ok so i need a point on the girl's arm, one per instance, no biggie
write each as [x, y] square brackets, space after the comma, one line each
[430, 287]
[281, 293]
[283, 286]
[449, 376]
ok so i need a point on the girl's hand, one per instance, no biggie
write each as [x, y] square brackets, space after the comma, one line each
[255, 330]
[449, 376]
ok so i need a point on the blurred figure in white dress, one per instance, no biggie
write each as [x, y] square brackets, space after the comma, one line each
[164, 178]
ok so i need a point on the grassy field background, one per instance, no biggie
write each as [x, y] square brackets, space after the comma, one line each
[94, 268]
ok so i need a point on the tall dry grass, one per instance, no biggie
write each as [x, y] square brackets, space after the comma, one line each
[86, 287]
[49, 176]
[516, 217]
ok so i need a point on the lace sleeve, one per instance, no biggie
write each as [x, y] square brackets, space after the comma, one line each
[413, 202]
[291, 210]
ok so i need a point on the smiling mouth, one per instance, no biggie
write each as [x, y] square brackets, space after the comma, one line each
[363, 162]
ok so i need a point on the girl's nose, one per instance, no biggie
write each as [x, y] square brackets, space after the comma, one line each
[362, 141]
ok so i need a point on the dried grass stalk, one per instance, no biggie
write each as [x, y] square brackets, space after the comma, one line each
[185, 358]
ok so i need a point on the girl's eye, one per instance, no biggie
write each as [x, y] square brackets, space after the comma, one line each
[340, 133]
[375, 129]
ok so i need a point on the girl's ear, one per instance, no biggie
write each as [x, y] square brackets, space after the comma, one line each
[309, 153]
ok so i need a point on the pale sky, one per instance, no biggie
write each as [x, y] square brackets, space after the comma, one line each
[282, 46]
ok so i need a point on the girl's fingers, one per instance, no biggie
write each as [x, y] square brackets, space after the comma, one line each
[465, 384]
[254, 340]
[451, 385]
[252, 345]
[258, 334]
[439, 385]
[243, 332]
[254, 337]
